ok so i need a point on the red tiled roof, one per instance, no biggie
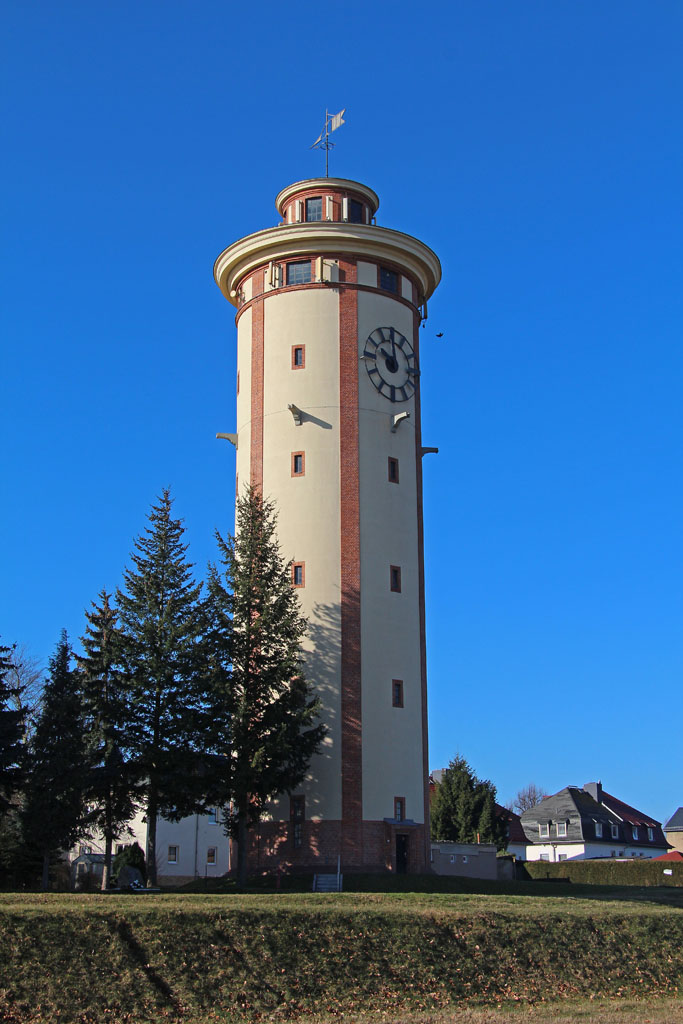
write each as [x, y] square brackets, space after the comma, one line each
[514, 824]
[628, 813]
[671, 855]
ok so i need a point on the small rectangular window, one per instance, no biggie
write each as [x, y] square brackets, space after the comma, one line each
[355, 212]
[561, 829]
[395, 578]
[598, 830]
[299, 273]
[399, 808]
[173, 855]
[213, 816]
[634, 830]
[298, 357]
[211, 855]
[397, 693]
[651, 835]
[615, 831]
[298, 464]
[314, 208]
[388, 280]
[544, 831]
[393, 470]
[119, 847]
[297, 814]
[298, 574]
[562, 856]
[545, 856]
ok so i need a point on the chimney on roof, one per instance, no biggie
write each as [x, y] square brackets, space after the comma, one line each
[594, 789]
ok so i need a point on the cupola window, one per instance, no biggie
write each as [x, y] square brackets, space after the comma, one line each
[299, 273]
[355, 212]
[314, 208]
[388, 280]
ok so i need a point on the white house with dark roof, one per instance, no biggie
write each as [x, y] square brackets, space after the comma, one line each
[580, 824]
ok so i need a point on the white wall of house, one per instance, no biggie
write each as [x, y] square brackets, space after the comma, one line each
[587, 851]
[195, 847]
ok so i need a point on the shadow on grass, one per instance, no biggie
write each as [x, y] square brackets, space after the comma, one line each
[122, 929]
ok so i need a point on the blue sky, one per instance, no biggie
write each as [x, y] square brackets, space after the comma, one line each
[537, 148]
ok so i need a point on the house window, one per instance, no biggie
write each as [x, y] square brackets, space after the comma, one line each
[651, 835]
[298, 574]
[545, 856]
[314, 208]
[395, 578]
[213, 816]
[561, 829]
[355, 211]
[615, 831]
[211, 855]
[399, 808]
[464, 858]
[298, 357]
[634, 830]
[298, 464]
[397, 693]
[544, 831]
[598, 830]
[119, 847]
[297, 814]
[388, 279]
[613, 853]
[562, 856]
[173, 855]
[393, 470]
[299, 273]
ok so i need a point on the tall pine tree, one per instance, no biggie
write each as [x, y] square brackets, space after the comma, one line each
[111, 784]
[262, 708]
[161, 618]
[54, 814]
[463, 808]
[11, 731]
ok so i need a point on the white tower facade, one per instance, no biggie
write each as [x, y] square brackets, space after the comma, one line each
[329, 306]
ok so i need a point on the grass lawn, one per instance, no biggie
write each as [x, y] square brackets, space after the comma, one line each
[506, 954]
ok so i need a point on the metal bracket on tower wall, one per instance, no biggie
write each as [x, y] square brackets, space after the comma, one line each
[429, 451]
[398, 418]
[232, 438]
[296, 413]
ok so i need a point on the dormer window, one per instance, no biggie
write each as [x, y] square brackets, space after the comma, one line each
[598, 830]
[314, 208]
[561, 829]
[651, 835]
[634, 830]
[544, 831]
[615, 831]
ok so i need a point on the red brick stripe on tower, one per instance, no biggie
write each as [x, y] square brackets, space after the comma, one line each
[421, 584]
[257, 322]
[351, 739]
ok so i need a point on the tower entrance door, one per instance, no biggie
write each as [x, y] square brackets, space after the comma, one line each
[401, 854]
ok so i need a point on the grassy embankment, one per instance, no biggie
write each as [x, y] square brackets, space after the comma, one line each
[200, 958]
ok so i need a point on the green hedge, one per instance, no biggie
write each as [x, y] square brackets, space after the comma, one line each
[605, 872]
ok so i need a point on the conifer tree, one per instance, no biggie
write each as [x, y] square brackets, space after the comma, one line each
[54, 814]
[262, 708]
[111, 785]
[160, 615]
[11, 731]
[463, 808]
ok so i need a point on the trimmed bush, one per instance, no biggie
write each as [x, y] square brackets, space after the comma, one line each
[131, 855]
[606, 871]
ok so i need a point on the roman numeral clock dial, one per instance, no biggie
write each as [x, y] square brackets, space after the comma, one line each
[391, 364]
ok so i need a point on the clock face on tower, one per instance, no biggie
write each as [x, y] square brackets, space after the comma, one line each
[391, 364]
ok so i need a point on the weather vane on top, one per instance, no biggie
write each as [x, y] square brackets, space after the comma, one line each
[332, 122]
